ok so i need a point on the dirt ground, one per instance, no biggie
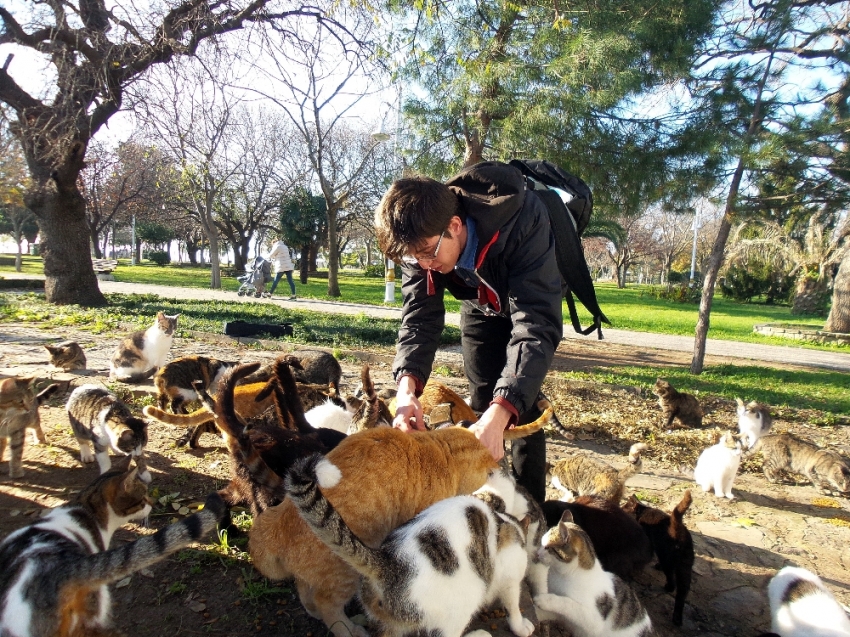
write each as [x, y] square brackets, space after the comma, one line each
[212, 588]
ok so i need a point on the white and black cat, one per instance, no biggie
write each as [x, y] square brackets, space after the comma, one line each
[54, 573]
[432, 573]
[801, 606]
[718, 465]
[99, 418]
[575, 592]
[139, 355]
[754, 421]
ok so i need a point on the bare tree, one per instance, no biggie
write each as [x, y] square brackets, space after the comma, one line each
[95, 53]
[673, 236]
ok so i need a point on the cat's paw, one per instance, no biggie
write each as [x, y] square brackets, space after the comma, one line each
[86, 455]
[523, 628]
[16, 474]
[547, 601]
[730, 495]
[478, 633]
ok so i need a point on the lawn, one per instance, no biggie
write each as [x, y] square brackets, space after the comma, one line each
[629, 309]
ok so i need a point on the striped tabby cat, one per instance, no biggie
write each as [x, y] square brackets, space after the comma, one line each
[67, 355]
[19, 411]
[175, 381]
[99, 418]
[460, 550]
[590, 602]
[826, 469]
[580, 475]
[139, 355]
[54, 573]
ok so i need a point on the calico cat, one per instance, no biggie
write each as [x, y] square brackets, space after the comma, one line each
[580, 595]
[718, 465]
[620, 543]
[390, 477]
[784, 452]
[54, 573]
[139, 355]
[672, 543]
[754, 421]
[99, 418]
[459, 550]
[801, 606]
[580, 475]
[67, 355]
[679, 405]
[174, 381]
[250, 401]
[19, 405]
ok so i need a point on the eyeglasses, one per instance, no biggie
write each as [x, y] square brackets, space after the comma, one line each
[413, 260]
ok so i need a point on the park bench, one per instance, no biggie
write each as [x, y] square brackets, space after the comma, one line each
[103, 268]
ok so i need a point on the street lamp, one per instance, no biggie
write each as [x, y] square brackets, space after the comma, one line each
[379, 137]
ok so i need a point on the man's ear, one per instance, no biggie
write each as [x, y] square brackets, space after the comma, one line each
[455, 224]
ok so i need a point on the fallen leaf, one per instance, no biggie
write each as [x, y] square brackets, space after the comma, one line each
[183, 511]
[197, 606]
[744, 522]
[146, 572]
[124, 582]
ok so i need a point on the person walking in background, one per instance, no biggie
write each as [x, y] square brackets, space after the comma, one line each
[282, 260]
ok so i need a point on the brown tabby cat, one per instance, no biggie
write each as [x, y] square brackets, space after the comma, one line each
[679, 405]
[309, 366]
[19, 405]
[175, 381]
[673, 546]
[586, 476]
[784, 452]
[389, 477]
[67, 355]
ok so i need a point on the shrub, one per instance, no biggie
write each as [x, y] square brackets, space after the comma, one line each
[160, 257]
[679, 293]
[377, 271]
[744, 283]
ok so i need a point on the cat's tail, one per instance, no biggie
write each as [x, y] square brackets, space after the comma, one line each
[46, 393]
[302, 484]
[111, 566]
[288, 401]
[137, 377]
[199, 417]
[542, 403]
[679, 512]
[635, 461]
[523, 431]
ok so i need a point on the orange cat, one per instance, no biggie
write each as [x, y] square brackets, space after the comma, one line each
[387, 478]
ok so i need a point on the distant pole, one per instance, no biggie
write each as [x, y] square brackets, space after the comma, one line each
[694, 250]
[133, 242]
[389, 279]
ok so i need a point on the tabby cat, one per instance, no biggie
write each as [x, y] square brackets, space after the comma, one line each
[250, 401]
[67, 355]
[801, 606]
[19, 405]
[580, 595]
[459, 550]
[717, 466]
[580, 475]
[54, 574]
[783, 452]
[621, 545]
[679, 405]
[174, 381]
[139, 355]
[754, 421]
[309, 366]
[99, 418]
[673, 546]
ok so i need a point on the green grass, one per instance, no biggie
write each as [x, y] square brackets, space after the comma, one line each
[825, 391]
[628, 309]
[135, 311]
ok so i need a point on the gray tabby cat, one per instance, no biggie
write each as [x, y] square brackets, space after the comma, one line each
[784, 452]
[139, 355]
[314, 367]
[580, 475]
[578, 594]
[433, 573]
[19, 405]
[99, 418]
[54, 573]
[67, 355]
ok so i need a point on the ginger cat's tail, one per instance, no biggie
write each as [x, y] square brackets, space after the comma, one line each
[635, 461]
[523, 431]
[302, 486]
[199, 417]
[679, 512]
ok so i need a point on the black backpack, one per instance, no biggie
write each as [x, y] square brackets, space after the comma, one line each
[568, 220]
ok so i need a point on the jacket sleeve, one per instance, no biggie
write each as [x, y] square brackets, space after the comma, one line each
[535, 308]
[423, 317]
[275, 251]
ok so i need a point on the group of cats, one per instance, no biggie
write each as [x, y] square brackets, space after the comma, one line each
[425, 527]
[718, 465]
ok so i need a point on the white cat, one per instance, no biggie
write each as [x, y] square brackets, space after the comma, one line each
[578, 594]
[801, 606]
[329, 415]
[139, 355]
[717, 466]
[754, 421]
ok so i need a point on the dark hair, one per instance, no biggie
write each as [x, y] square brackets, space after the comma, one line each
[411, 211]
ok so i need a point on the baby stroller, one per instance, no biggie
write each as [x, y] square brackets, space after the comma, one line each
[255, 279]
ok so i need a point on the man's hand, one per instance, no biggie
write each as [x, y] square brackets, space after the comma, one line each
[408, 409]
[490, 429]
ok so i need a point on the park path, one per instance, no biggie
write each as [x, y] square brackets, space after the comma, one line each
[787, 355]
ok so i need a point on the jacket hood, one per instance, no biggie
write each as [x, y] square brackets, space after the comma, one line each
[491, 193]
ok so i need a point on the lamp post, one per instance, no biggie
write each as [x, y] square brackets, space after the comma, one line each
[379, 137]
[133, 241]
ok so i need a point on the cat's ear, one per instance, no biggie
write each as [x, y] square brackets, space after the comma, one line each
[566, 517]
[123, 463]
[741, 407]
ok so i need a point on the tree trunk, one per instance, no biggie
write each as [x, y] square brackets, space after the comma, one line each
[810, 295]
[333, 254]
[19, 258]
[839, 316]
[305, 263]
[60, 210]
